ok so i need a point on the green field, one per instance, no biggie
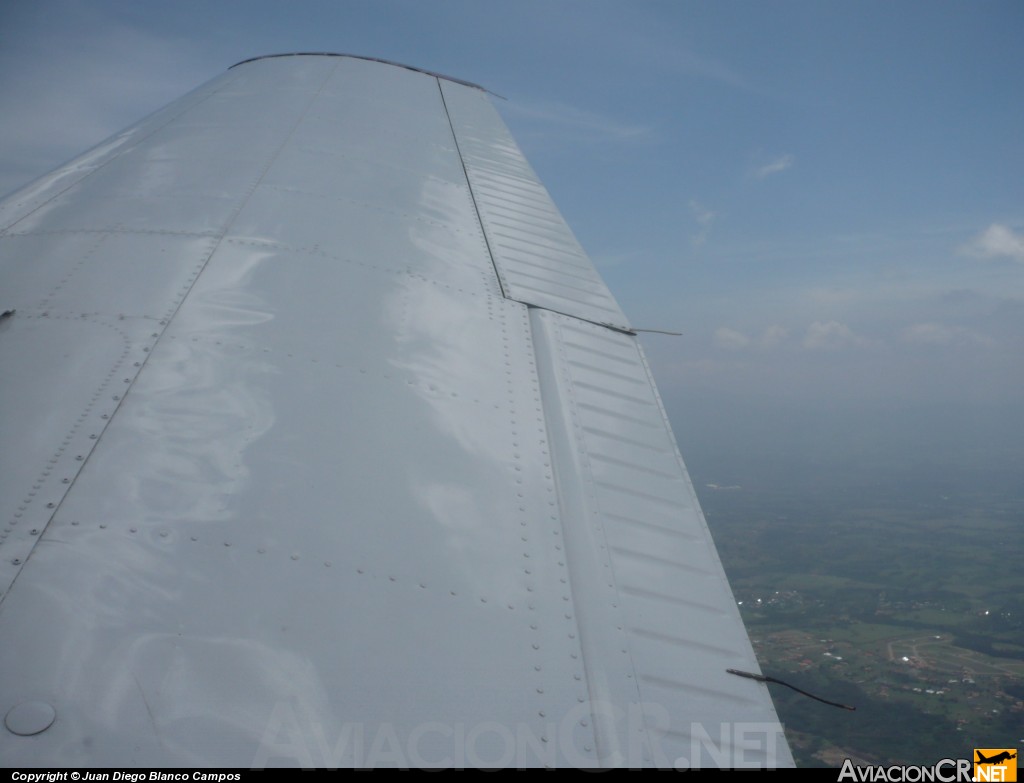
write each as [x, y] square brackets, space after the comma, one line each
[911, 611]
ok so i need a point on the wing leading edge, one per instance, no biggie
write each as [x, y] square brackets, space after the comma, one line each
[332, 449]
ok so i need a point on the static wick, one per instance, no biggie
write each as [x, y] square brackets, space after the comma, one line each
[763, 678]
[660, 331]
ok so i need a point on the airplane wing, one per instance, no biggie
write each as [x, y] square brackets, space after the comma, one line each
[324, 444]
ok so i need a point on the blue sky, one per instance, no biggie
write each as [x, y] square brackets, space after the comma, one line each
[827, 199]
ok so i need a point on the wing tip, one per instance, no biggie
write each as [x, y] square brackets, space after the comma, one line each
[382, 60]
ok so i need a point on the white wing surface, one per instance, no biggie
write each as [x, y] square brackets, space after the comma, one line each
[324, 444]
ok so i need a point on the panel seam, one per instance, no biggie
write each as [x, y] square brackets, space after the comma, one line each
[611, 746]
[152, 347]
[472, 195]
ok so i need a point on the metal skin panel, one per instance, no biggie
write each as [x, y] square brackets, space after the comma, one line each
[643, 556]
[538, 259]
[293, 483]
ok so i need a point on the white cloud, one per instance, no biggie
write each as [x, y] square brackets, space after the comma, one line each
[781, 163]
[674, 56]
[730, 339]
[831, 335]
[940, 334]
[996, 241]
[838, 296]
[773, 335]
[735, 340]
[705, 220]
[567, 118]
[689, 61]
